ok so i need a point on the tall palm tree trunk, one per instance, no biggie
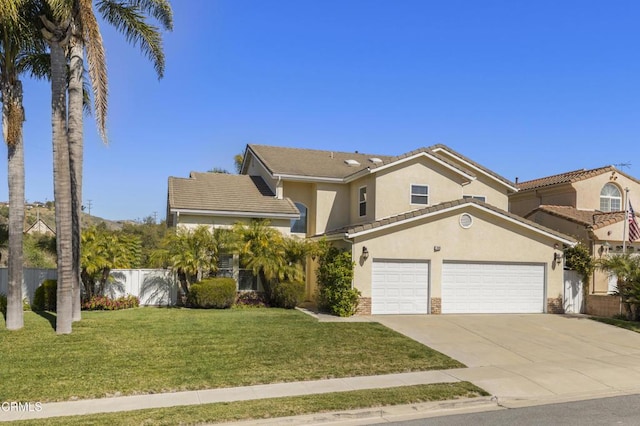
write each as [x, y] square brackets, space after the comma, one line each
[75, 137]
[62, 189]
[12, 118]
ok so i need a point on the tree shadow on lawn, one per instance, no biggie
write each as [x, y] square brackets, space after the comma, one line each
[49, 316]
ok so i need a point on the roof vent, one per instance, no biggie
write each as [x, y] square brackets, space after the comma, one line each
[351, 163]
[375, 160]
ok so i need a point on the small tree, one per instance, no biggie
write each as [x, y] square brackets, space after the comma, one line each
[335, 276]
[627, 270]
[193, 254]
[102, 251]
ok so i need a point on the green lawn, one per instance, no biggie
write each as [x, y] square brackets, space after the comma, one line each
[629, 325]
[276, 407]
[149, 350]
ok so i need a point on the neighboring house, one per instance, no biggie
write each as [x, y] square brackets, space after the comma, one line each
[586, 204]
[40, 227]
[428, 230]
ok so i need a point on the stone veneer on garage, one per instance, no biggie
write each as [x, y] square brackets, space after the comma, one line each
[554, 305]
[364, 306]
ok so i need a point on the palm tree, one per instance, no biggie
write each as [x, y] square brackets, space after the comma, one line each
[626, 268]
[193, 254]
[20, 51]
[77, 30]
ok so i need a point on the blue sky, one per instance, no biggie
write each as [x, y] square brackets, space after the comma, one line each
[525, 88]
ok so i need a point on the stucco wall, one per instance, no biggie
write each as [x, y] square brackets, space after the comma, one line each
[494, 193]
[354, 202]
[193, 221]
[393, 186]
[522, 203]
[332, 211]
[589, 190]
[489, 239]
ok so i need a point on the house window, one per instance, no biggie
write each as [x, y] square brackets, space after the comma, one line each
[420, 194]
[362, 200]
[610, 198]
[299, 226]
[475, 197]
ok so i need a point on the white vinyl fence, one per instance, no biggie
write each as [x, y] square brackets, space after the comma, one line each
[151, 286]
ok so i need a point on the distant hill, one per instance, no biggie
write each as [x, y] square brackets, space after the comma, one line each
[47, 213]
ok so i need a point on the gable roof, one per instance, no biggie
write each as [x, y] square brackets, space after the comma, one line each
[226, 194]
[376, 225]
[333, 165]
[40, 226]
[593, 219]
[568, 177]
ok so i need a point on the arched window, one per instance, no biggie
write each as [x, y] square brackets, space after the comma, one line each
[610, 198]
[299, 226]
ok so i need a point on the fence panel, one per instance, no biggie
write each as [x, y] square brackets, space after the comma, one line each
[151, 286]
[32, 279]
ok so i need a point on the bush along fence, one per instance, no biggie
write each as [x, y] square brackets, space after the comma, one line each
[151, 287]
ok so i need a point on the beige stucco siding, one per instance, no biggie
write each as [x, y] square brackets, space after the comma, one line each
[300, 192]
[254, 168]
[354, 192]
[489, 239]
[577, 231]
[332, 207]
[188, 221]
[393, 186]
[494, 192]
[523, 203]
[589, 190]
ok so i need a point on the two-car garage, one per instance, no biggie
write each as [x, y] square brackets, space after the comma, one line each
[402, 287]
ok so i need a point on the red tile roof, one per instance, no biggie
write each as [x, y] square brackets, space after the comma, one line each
[591, 218]
[562, 178]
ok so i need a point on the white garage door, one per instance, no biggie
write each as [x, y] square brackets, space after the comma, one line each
[399, 287]
[492, 288]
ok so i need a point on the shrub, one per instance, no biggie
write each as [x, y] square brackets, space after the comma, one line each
[45, 297]
[219, 293]
[103, 303]
[250, 299]
[3, 305]
[287, 294]
[335, 274]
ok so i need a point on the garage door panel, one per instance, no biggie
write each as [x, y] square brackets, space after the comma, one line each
[492, 288]
[399, 287]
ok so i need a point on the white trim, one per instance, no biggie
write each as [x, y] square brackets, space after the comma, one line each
[458, 207]
[299, 178]
[424, 154]
[411, 185]
[226, 213]
[360, 202]
[466, 163]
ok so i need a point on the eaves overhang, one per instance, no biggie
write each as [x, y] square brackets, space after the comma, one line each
[478, 169]
[229, 213]
[492, 212]
[431, 157]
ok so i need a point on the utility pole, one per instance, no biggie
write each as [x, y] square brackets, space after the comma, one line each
[155, 218]
[89, 206]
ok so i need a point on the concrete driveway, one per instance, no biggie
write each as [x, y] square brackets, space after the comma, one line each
[534, 356]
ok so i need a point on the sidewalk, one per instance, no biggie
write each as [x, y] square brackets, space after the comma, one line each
[139, 402]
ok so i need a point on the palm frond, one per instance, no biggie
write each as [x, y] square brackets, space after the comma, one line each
[38, 65]
[97, 64]
[129, 20]
[159, 9]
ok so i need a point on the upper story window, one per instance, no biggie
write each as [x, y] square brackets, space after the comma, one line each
[362, 200]
[420, 194]
[610, 198]
[299, 226]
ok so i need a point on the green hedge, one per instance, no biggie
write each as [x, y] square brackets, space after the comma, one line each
[219, 293]
[45, 297]
[3, 305]
[287, 294]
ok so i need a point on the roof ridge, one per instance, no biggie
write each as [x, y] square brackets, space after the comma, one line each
[335, 151]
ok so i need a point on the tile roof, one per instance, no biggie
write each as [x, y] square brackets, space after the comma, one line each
[312, 162]
[568, 177]
[228, 193]
[332, 164]
[439, 207]
[591, 218]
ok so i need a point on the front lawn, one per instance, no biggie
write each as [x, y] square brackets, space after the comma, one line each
[150, 350]
[629, 325]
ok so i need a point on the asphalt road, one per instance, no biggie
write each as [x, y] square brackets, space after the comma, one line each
[623, 410]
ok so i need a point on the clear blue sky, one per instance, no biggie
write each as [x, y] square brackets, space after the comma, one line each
[526, 88]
